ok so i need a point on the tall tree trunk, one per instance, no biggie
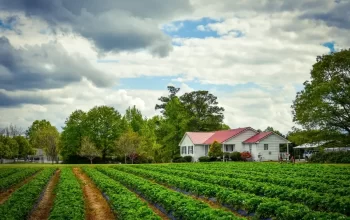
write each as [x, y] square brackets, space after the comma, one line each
[90, 161]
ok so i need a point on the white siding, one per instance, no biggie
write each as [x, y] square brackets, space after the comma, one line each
[186, 142]
[237, 141]
[198, 152]
[273, 142]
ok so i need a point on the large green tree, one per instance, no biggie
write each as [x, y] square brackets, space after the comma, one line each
[72, 134]
[324, 103]
[103, 125]
[203, 111]
[47, 138]
[32, 131]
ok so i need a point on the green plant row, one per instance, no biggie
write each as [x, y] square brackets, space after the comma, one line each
[316, 176]
[303, 168]
[17, 177]
[21, 202]
[315, 201]
[4, 172]
[261, 206]
[176, 204]
[69, 201]
[297, 183]
[125, 203]
[284, 169]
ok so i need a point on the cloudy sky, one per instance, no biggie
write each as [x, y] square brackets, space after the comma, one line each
[61, 55]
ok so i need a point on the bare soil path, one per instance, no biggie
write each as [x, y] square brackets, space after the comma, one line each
[154, 209]
[6, 194]
[45, 205]
[96, 207]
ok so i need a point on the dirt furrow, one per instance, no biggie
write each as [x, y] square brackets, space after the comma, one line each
[6, 194]
[154, 209]
[96, 207]
[43, 209]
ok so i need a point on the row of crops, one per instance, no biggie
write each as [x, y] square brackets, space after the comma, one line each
[187, 191]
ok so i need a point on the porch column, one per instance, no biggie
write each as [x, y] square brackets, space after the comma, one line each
[287, 149]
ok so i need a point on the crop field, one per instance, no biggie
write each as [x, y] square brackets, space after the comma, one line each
[175, 191]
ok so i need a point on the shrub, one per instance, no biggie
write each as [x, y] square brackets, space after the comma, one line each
[246, 155]
[236, 156]
[215, 150]
[188, 158]
[226, 155]
[204, 159]
[331, 157]
[179, 160]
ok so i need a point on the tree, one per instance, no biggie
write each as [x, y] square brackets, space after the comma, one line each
[36, 126]
[4, 150]
[24, 147]
[324, 103]
[215, 150]
[47, 138]
[72, 134]
[203, 111]
[89, 150]
[134, 118]
[165, 99]
[12, 131]
[103, 125]
[275, 131]
[128, 145]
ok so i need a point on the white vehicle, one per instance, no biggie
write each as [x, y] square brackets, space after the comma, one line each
[308, 153]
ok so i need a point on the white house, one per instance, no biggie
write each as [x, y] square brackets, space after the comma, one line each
[259, 144]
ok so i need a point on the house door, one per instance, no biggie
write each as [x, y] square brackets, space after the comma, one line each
[250, 148]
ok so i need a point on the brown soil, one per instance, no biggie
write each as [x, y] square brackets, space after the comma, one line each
[155, 210]
[96, 207]
[43, 209]
[6, 194]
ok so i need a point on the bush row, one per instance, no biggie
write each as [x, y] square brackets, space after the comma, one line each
[264, 207]
[15, 178]
[125, 203]
[315, 201]
[69, 201]
[175, 204]
[293, 182]
[330, 175]
[7, 171]
[331, 157]
[21, 201]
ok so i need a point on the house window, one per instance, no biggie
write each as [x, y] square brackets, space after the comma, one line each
[183, 150]
[206, 149]
[229, 147]
[266, 147]
[190, 149]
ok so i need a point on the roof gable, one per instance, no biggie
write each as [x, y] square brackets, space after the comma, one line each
[221, 136]
[256, 138]
[199, 137]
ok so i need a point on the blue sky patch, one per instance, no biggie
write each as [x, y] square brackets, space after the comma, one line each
[161, 83]
[8, 23]
[189, 28]
[330, 45]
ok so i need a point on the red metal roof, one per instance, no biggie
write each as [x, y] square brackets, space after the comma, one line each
[221, 136]
[199, 137]
[257, 137]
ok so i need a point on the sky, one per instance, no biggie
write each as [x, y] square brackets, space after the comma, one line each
[61, 55]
